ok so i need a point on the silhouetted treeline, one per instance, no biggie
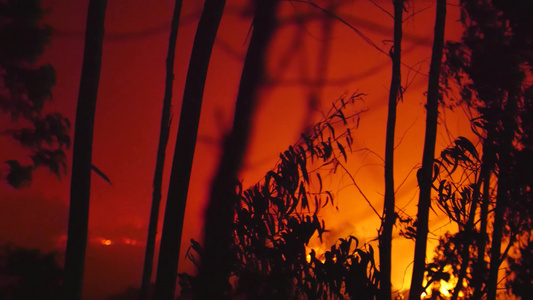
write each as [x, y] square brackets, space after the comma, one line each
[29, 274]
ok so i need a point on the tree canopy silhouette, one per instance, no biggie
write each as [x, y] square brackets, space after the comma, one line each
[25, 88]
[489, 66]
[28, 274]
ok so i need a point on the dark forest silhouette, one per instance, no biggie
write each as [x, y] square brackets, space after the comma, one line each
[29, 274]
[256, 242]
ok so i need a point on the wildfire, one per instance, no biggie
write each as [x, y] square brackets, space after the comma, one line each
[108, 242]
[319, 253]
[444, 288]
[129, 241]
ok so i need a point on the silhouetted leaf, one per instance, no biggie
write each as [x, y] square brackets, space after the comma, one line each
[101, 174]
[19, 176]
[319, 182]
[341, 148]
[467, 145]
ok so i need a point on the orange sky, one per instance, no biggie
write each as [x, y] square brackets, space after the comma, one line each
[129, 110]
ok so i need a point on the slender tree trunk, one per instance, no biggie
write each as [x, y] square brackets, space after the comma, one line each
[389, 216]
[184, 152]
[160, 159]
[505, 147]
[217, 258]
[478, 278]
[80, 185]
[426, 172]
[497, 233]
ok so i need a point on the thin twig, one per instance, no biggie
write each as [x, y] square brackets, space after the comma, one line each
[358, 188]
[380, 7]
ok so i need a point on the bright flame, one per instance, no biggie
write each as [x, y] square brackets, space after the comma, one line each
[445, 288]
[319, 253]
[106, 242]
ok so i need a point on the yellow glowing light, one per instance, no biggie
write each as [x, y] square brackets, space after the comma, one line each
[423, 295]
[319, 253]
[106, 242]
[445, 287]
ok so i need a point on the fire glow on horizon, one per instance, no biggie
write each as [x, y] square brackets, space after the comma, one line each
[108, 242]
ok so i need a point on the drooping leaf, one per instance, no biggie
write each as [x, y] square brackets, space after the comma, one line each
[319, 182]
[468, 146]
[341, 149]
[101, 174]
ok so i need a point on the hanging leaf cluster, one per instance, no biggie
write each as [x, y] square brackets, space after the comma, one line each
[457, 173]
[456, 181]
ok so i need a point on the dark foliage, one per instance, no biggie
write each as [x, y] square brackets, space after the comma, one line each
[455, 178]
[521, 269]
[24, 89]
[28, 274]
[489, 67]
[276, 219]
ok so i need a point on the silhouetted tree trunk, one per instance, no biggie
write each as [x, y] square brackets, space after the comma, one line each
[80, 186]
[160, 159]
[184, 152]
[480, 267]
[426, 172]
[217, 258]
[502, 198]
[389, 216]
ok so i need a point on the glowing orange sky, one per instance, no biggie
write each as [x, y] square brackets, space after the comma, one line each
[129, 110]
